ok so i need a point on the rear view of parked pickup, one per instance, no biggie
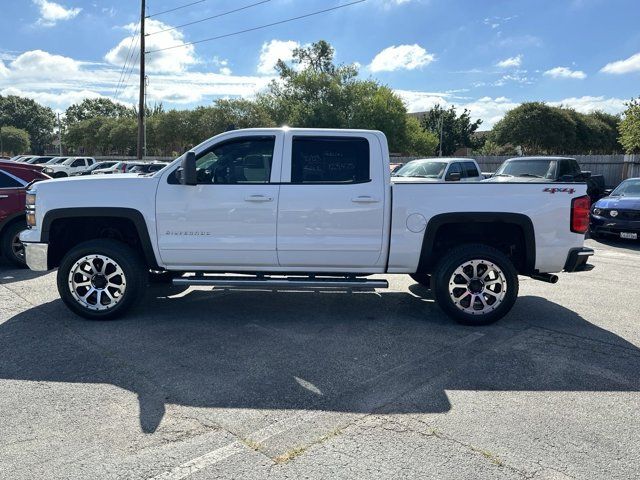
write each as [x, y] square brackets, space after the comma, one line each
[301, 209]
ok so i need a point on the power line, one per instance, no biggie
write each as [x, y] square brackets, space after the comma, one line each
[177, 8]
[259, 27]
[126, 61]
[211, 17]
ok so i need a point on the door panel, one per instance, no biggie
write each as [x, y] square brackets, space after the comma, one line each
[338, 224]
[229, 219]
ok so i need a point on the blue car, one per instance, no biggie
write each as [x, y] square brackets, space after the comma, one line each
[618, 215]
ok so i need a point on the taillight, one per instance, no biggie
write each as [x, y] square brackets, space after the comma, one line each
[580, 214]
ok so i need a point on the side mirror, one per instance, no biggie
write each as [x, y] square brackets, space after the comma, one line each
[452, 177]
[188, 174]
[567, 178]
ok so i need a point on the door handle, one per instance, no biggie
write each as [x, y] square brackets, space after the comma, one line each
[364, 199]
[257, 198]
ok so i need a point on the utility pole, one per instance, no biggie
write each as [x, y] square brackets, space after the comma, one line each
[441, 125]
[59, 136]
[146, 85]
[141, 108]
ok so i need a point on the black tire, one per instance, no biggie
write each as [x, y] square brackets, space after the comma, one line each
[506, 288]
[7, 244]
[134, 277]
[423, 279]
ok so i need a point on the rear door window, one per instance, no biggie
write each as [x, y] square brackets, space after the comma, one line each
[471, 170]
[330, 160]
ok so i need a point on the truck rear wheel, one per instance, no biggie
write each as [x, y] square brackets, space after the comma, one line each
[475, 284]
[101, 279]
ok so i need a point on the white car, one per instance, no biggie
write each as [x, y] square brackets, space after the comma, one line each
[69, 167]
[301, 208]
[440, 170]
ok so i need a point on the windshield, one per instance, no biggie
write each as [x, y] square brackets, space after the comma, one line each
[39, 161]
[422, 168]
[628, 188]
[528, 168]
[102, 165]
[55, 160]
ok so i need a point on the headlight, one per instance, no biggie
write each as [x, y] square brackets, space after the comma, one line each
[47, 170]
[597, 211]
[30, 202]
[31, 199]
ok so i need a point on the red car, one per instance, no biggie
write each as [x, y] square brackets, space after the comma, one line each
[14, 178]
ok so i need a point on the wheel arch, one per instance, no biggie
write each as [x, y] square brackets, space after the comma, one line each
[128, 214]
[10, 220]
[477, 222]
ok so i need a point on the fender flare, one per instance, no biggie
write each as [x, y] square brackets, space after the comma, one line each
[524, 222]
[129, 213]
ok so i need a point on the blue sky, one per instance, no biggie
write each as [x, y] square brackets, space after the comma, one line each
[484, 55]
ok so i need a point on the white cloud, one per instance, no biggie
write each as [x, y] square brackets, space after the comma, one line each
[273, 51]
[491, 110]
[401, 57]
[628, 65]
[51, 12]
[37, 62]
[588, 104]
[174, 60]
[564, 72]
[510, 62]
[59, 81]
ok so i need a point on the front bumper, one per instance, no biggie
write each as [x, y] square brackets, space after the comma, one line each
[36, 255]
[613, 227]
[577, 260]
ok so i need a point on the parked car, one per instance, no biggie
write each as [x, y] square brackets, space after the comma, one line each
[94, 167]
[147, 168]
[56, 160]
[25, 158]
[301, 208]
[70, 166]
[441, 169]
[549, 169]
[40, 160]
[618, 215]
[14, 178]
[17, 158]
[120, 167]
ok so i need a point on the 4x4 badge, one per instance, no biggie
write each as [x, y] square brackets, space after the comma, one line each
[562, 190]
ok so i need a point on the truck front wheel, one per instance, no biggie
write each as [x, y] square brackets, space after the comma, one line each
[101, 279]
[475, 284]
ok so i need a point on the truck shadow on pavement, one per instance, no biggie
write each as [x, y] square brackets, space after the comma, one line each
[313, 351]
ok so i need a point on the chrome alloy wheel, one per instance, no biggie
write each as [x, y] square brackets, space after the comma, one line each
[477, 287]
[17, 248]
[97, 282]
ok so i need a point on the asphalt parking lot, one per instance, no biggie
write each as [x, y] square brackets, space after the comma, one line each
[227, 384]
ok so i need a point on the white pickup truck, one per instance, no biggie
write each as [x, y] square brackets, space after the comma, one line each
[300, 209]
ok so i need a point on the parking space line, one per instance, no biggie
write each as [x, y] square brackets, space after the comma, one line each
[204, 461]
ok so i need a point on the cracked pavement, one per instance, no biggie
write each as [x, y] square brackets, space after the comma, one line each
[205, 384]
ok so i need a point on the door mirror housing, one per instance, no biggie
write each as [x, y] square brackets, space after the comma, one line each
[452, 177]
[187, 172]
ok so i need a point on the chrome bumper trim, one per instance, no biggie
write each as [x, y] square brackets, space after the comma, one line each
[36, 256]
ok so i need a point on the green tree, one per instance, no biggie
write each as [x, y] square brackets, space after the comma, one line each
[26, 114]
[537, 128]
[315, 92]
[96, 107]
[14, 140]
[630, 127]
[419, 142]
[87, 135]
[457, 130]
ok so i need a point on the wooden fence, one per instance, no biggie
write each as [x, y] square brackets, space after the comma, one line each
[614, 168]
